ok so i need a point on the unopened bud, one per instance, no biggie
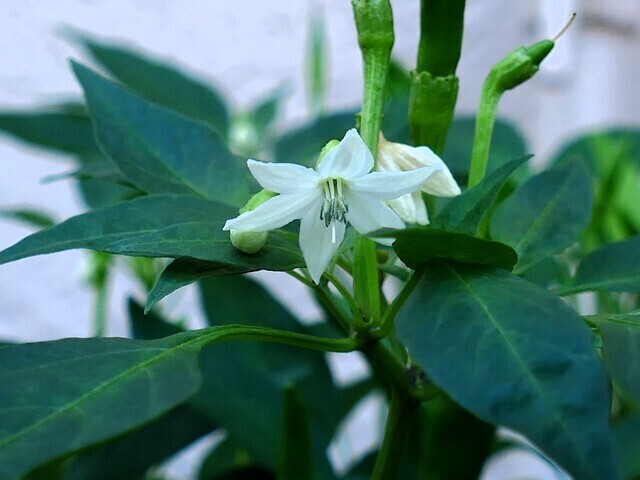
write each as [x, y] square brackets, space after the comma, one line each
[248, 241]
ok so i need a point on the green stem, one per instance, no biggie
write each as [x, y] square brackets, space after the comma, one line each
[265, 334]
[100, 310]
[346, 294]
[485, 121]
[326, 298]
[399, 422]
[389, 365]
[398, 302]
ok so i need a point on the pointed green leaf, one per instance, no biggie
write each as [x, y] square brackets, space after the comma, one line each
[157, 226]
[64, 132]
[182, 272]
[32, 217]
[621, 351]
[545, 215]
[614, 267]
[627, 437]
[160, 151]
[248, 396]
[160, 82]
[129, 457]
[296, 456]
[418, 245]
[466, 212]
[109, 386]
[514, 355]
[226, 459]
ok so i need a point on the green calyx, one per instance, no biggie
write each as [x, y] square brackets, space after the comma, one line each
[520, 65]
[374, 22]
[257, 200]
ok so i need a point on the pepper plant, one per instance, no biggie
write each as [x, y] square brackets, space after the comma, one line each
[484, 329]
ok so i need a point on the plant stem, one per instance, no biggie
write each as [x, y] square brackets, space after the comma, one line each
[399, 422]
[485, 121]
[346, 294]
[404, 293]
[100, 310]
[265, 334]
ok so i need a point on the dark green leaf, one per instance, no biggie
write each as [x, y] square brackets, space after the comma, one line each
[62, 396]
[621, 351]
[303, 144]
[160, 151]
[506, 144]
[627, 437]
[31, 217]
[160, 82]
[466, 212]
[296, 454]
[247, 397]
[182, 272]
[514, 355]
[614, 267]
[545, 215]
[226, 458]
[65, 132]
[129, 457]
[158, 226]
[418, 245]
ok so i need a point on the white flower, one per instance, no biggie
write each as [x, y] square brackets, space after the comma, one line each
[395, 157]
[341, 190]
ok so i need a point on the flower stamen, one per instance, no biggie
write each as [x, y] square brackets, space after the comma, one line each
[335, 206]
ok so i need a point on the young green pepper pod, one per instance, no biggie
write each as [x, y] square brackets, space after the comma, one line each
[434, 85]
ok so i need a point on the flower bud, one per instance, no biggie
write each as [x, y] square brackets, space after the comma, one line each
[249, 241]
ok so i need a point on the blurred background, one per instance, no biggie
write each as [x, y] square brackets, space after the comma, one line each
[248, 49]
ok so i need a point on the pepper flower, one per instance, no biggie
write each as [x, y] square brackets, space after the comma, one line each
[394, 157]
[341, 190]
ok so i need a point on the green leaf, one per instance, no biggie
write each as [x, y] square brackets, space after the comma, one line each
[160, 82]
[129, 457]
[303, 144]
[157, 226]
[621, 351]
[31, 217]
[627, 437]
[418, 245]
[227, 458]
[507, 143]
[160, 151]
[64, 132]
[316, 64]
[517, 356]
[545, 215]
[247, 397]
[296, 456]
[108, 387]
[615, 267]
[466, 212]
[182, 272]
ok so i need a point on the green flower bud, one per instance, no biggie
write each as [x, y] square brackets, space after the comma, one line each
[325, 150]
[250, 241]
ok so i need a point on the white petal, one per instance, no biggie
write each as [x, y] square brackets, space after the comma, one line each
[411, 208]
[275, 212]
[367, 214]
[408, 158]
[317, 242]
[386, 185]
[283, 177]
[349, 159]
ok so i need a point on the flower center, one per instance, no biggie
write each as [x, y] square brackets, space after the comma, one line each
[335, 205]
